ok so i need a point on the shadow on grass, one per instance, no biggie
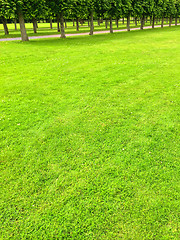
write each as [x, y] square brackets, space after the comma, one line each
[69, 30]
[98, 39]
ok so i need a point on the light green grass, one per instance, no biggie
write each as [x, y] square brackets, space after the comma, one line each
[89, 137]
[44, 28]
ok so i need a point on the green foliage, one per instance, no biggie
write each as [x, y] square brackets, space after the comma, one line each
[58, 6]
[114, 8]
[83, 8]
[171, 8]
[5, 9]
[78, 9]
[177, 5]
[127, 7]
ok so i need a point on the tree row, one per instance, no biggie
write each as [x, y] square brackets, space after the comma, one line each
[61, 10]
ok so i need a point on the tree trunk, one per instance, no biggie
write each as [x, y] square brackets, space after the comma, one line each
[162, 22]
[82, 22]
[111, 27]
[88, 23]
[77, 24]
[58, 18]
[106, 23]
[62, 25]
[170, 21]
[117, 22]
[136, 21]
[166, 20]
[98, 21]
[91, 24]
[65, 23]
[153, 21]
[24, 35]
[142, 23]
[15, 24]
[51, 24]
[176, 21]
[34, 25]
[128, 23]
[73, 23]
[4, 21]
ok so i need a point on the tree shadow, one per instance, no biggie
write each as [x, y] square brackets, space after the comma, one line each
[97, 39]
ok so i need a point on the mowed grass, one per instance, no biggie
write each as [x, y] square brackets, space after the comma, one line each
[89, 137]
[44, 28]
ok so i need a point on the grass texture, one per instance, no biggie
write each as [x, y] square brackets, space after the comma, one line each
[89, 137]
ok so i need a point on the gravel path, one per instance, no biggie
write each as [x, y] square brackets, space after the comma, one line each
[79, 34]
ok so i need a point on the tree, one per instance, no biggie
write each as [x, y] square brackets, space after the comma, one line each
[113, 10]
[20, 7]
[90, 8]
[127, 11]
[141, 8]
[58, 7]
[5, 11]
[177, 5]
[77, 11]
[161, 6]
[35, 9]
[100, 9]
[171, 10]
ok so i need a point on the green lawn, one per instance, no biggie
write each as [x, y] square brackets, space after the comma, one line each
[44, 28]
[89, 137]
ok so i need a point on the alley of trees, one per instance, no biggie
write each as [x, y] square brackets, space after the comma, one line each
[79, 10]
